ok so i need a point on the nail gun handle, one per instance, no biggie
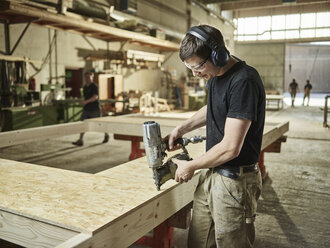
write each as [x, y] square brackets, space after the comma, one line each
[177, 141]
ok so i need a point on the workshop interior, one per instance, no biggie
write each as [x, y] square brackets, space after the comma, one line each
[122, 193]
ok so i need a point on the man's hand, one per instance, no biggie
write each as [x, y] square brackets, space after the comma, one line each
[183, 173]
[175, 134]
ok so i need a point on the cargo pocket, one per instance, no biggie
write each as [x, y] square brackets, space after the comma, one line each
[228, 196]
[253, 192]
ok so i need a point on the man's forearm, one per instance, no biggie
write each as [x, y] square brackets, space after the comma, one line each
[228, 148]
[217, 155]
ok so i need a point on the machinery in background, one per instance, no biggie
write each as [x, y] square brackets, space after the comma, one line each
[21, 106]
[18, 98]
[155, 149]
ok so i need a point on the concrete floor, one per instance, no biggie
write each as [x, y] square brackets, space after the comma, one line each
[293, 210]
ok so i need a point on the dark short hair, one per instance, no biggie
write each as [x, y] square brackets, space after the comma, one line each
[191, 45]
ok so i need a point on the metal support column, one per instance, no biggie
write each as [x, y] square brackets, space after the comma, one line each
[325, 120]
[9, 51]
[7, 37]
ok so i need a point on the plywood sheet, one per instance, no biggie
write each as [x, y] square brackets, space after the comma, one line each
[117, 205]
[75, 200]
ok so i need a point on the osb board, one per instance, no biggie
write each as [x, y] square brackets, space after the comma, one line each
[75, 200]
[194, 151]
[120, 200]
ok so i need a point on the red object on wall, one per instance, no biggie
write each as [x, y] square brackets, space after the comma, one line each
[32, 84]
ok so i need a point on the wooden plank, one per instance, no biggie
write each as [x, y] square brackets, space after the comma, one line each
[276, 146]
[46, 132]
[14, 58]
[119, 125]
[125, 231]
[75, 200]
[94, 203]
[75, 241]
[32, 233]
[272, 132]
[133, 125]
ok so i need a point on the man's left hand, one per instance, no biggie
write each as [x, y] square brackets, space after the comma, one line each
[183, 173]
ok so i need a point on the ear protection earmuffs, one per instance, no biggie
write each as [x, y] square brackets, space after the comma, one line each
[219, 55]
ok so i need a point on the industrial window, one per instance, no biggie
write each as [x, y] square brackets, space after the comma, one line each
[292, 26]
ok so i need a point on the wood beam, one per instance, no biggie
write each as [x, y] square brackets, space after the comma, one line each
[75, 241]
[133, 125]
[25, 231]
[27, 135]
[255, 4]
[272, 132]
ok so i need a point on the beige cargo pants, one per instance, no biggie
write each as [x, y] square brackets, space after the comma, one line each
[224, 211]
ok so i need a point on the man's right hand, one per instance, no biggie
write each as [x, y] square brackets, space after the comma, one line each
[175, 134]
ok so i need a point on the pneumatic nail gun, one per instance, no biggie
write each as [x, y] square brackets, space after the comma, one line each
[155, 149]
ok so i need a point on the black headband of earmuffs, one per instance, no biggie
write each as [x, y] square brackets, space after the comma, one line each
[219, 55]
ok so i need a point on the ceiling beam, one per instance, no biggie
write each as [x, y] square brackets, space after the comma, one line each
[259, 4]
[283, 10]
[235, 4]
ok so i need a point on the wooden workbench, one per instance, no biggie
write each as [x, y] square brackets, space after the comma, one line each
[49, 207]
[274, 102]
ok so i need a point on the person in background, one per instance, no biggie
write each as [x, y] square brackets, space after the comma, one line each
[307, 92]
[293, 87]
[225, 199]
[91, 107]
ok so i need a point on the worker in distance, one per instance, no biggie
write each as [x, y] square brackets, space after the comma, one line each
[225, 199]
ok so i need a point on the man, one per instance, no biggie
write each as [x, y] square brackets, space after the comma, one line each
[307, 92]
[91, 107]
[229, 186]
[293, 87]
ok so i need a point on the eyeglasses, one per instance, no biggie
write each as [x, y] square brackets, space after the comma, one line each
[198, 67]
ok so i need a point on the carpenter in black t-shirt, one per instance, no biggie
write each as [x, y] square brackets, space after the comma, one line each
[239, 93]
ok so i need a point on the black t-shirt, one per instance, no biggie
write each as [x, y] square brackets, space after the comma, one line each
[89, 91]
[239, 93]
[293, 85]
[308, 86]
